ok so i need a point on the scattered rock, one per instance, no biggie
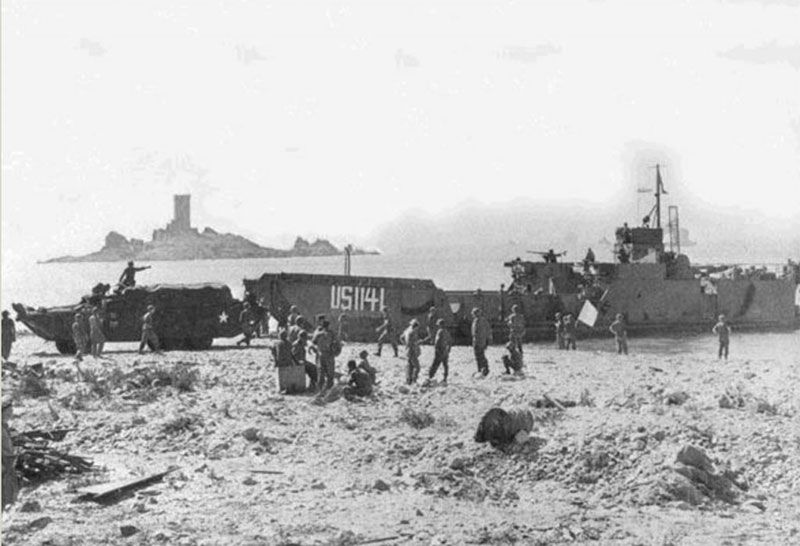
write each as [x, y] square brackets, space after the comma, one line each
[692, 456]
[676, 398]
[40, 523]
[250, 434]
[380, 485]
[459, 463]
[128, 530]
[30, 506]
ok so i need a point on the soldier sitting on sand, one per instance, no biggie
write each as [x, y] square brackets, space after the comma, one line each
[513, 359]
[359, 382]
[364, 364]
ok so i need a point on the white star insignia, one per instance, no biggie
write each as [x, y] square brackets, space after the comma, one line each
[223, 317]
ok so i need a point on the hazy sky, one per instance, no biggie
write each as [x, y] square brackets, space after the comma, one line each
[332, 118]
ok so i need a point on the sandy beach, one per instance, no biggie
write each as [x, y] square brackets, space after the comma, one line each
[258, 467]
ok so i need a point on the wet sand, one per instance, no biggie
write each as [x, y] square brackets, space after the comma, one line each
[350, 472]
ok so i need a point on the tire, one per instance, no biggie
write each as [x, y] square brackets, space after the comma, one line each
[66, 346]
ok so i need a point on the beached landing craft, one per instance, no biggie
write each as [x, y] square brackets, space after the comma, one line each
[187, 316]
[657, 290]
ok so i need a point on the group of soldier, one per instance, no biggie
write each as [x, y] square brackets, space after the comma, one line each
[316, 349]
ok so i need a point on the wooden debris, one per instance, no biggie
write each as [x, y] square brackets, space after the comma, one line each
[108, 491]
[38, 462]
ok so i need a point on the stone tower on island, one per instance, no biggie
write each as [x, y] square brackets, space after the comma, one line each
[181, 223]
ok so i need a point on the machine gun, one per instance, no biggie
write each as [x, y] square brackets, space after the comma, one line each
[550, 256]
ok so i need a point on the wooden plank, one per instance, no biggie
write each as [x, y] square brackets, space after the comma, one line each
[106, 490]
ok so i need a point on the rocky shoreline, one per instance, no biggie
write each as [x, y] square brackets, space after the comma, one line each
[200, 245]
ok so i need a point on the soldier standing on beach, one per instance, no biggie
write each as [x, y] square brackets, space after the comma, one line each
[10, 483]
[9, 333]
[247, 319]
[559, 326]
[386, 332]
[149, 336]
[78, 336]
[295, 329]
[441, 350]
[344, 327]
[433, 316]
[323, 342]
[620, 331]
[291, 318]
[481, 338]
[411, 340]
[128, 277]
[570, 333]
[516, 327]
[96, 336]
[723, 331]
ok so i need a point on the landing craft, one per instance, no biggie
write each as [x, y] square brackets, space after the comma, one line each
[658, 291]
[187, 316]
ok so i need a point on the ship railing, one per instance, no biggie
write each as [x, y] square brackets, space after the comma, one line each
[748, 271]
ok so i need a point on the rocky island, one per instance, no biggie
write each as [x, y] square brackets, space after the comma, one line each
[179, 241]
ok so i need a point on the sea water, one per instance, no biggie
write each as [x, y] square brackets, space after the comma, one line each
[467, 268]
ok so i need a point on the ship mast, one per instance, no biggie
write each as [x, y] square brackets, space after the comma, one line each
[659, 191]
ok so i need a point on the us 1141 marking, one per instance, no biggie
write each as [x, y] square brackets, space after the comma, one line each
[357, 298]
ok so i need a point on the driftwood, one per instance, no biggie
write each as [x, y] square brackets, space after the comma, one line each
[108, 491]
[260, 471]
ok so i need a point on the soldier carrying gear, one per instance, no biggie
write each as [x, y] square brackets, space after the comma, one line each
[128, 277]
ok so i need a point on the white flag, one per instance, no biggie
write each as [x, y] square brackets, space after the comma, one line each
[588, 314]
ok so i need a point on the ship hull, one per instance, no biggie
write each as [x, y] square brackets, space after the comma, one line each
[651, 303]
